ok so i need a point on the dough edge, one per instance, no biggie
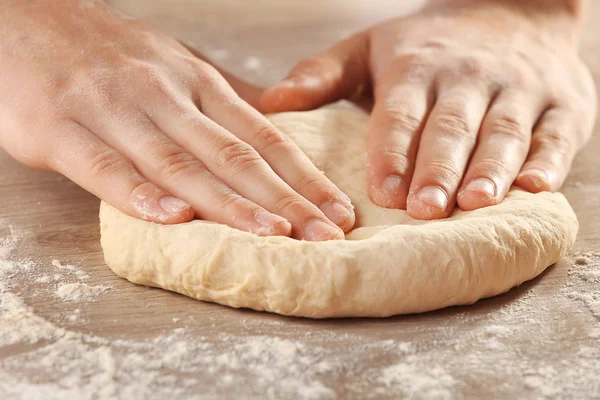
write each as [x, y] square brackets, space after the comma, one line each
[394, 272]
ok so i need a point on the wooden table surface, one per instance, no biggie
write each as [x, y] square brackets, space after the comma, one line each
[539, 340]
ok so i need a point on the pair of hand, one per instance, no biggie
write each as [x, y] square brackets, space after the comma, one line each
[469, 97]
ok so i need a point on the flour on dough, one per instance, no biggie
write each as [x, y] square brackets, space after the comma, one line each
[389, 264]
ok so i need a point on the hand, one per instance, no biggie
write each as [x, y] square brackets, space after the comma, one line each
[132, 116]
[470, 96]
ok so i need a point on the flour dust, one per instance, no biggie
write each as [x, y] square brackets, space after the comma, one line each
[515, 348]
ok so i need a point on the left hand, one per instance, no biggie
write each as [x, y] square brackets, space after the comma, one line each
[469, 98]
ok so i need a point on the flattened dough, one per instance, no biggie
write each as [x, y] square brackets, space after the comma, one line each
[389, 264]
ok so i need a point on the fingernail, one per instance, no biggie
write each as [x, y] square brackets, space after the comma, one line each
[317, 230]
[482, 185]
[391, 185]
[268, 222]
[337, 212]
[433, 196]
[539, 178]
[173, 205]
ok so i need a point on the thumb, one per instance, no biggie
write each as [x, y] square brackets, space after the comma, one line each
[342, 72]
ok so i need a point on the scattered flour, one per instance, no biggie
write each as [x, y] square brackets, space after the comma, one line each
[43, 279]
[407, 379]
[587, 269]
[19, 324]
[81, 275]
[515, 348]
[80, 291]
[75, 316]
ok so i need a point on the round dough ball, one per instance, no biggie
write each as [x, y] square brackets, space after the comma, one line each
[389, 264]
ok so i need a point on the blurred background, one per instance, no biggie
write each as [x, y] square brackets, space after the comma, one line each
[261, 40]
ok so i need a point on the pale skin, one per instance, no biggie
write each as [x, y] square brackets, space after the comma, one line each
[469, 97]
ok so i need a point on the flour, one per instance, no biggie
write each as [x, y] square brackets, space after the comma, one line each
[81, 275]
[18, 323]
[80, 291]
[75, 316]
[411, 380]
[43, 279]
[587, 269]
[318, 363]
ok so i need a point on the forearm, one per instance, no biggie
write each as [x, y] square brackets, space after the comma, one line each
[574, 8]
[561, 20]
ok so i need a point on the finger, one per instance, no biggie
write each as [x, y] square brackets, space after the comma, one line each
[446, 144]
[395, 127]
[341, 72]
[163, 161]
[250, 93]
[241, 167]
[292, 168]
[503, 146]
[103, 171]
[554, 143]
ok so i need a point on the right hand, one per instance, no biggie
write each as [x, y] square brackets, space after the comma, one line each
[132, 116]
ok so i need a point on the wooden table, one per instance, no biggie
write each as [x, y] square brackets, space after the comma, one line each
[541, 339]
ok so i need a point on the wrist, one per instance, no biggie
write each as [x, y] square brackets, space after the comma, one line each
[560, 19]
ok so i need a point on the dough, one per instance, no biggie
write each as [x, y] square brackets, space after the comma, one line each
[389, 264]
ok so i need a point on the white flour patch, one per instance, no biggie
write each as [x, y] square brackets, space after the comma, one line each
[407, 379]
[587, 269]
[81, 275]
[80, 291]
[19, 324]
[515, 348]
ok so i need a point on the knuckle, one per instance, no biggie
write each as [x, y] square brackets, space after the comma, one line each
[106, 163]
[493, 167]
[512, 127]
[555, 141]
[160, 89]
[411, 59]
[290, 204]
[443, 171]
[309, 182]
[403, 119]
[231, 200]
[522, 79]
[268, 137]
[176, 163]
[101, 88]
[416, 65]
[236, 153]
[472, 67]
[208, 77]
[454, 124]
[395, 157]
[143, 70]
[152, 78]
